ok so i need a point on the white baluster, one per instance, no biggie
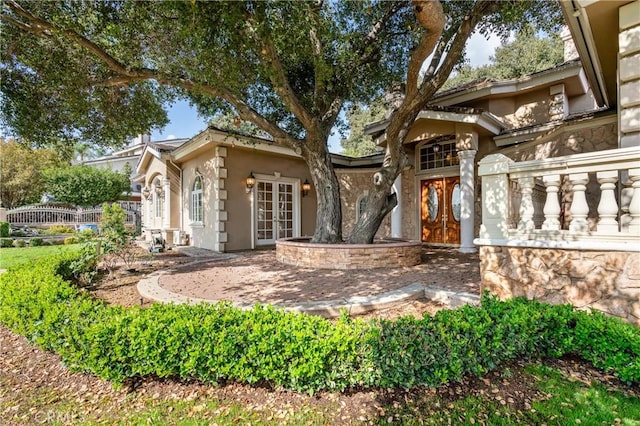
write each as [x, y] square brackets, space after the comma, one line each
[579, 207]
[526, 205]
[608, 206]
[552, 205]
[634, 206]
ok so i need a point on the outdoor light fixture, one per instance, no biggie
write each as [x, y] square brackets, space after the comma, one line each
[159, 191]
[251, 180]
[146, 192]
[306, 187]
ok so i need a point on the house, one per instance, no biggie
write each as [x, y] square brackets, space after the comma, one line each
[225, 192]
[540, 173]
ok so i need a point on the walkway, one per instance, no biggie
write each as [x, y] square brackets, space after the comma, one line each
[246, 278]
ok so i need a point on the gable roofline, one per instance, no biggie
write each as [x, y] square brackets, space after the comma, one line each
[489, 87]
[474, 116]
[216, 136]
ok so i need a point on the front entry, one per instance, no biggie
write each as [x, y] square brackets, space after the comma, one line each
[440, 210]
[276, 215]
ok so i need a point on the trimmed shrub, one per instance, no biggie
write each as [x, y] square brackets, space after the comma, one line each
[4, 229]
[36, 242]
[71, 240]
[19, 243]
[57, 230]
[6, 242]
[212, 343]
[18, 233]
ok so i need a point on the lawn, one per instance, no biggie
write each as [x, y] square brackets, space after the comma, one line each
[12, 256]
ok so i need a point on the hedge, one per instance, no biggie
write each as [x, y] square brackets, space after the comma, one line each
[214, 343]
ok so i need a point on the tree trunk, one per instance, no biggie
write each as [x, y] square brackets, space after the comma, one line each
[329, 210]
[380, 202]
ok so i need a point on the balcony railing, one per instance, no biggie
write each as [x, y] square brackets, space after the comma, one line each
[589, 201]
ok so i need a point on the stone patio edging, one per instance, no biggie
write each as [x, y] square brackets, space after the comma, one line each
[149, 288]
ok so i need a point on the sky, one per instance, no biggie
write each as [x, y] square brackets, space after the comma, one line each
[184, 121]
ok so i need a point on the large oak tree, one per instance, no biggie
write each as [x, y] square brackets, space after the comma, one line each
[102, 71]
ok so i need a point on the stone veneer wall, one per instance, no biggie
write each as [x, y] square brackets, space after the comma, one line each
[605, 281]
[353, 184]
[299, 252]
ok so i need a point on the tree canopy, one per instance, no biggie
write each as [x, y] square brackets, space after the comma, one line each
[87, 186]
[21, 171]
[101, 71]
[524, 55]
[358, 144]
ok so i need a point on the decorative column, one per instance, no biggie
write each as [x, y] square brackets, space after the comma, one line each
[166, 217]
[634, 206]
[494, 170]
[579, 207]
[552, 208]
[608, 206]
[396, 213]
[526, 204]
[467, 205]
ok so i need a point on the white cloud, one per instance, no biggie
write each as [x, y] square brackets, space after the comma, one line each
[171, 137]
[479, 48]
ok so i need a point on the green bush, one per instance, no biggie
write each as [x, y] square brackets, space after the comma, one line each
[18, 233]
[19, 243]
[213, 343]
[36, 242]
[58, 229]
[4, 229]
[6, 242]
[71, 240]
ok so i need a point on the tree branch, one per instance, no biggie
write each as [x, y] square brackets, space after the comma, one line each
[431, 16]
[278, 75]
[125, 75]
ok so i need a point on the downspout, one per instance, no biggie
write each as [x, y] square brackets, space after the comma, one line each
[180, 201]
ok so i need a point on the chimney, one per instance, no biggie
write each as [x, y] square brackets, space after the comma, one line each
[570, 51]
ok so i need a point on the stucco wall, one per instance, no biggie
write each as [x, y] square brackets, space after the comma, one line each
[200, 235]
[239, 163]
[157, 168]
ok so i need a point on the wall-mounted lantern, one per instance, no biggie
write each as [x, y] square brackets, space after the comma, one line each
[159, 191]
[146, 192]
[306, 187]
[251, 181]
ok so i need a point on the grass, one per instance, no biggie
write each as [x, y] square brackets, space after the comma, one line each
[563, 400]
[557, 399]
[12, 256]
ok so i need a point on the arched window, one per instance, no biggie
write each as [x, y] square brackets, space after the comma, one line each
[361, 203]
[196, 200]
[158, 195]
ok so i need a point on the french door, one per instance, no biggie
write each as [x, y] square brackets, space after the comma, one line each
[276, 211]
[440, 210]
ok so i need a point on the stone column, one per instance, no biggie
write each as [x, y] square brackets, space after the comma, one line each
[396, 213]
[494, 170]
[467, 205]
[166, 217]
